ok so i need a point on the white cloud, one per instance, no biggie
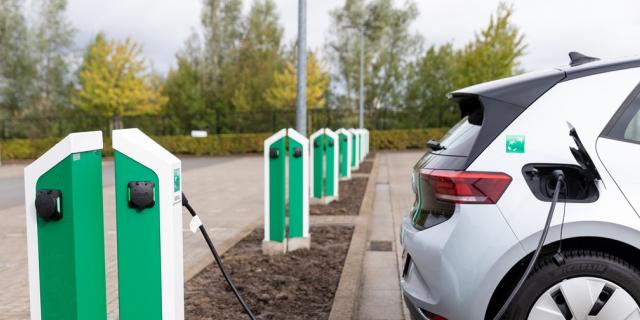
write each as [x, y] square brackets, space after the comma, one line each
[552, 28]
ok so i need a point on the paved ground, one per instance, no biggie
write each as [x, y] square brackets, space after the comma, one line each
[380, 295]
[227, 193]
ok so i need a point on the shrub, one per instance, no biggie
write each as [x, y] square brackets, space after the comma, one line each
[403, 139]
[224, 144]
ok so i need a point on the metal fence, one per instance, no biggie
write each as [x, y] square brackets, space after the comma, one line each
[216, 123]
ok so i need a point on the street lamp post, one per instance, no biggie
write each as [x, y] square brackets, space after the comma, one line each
[301, 90]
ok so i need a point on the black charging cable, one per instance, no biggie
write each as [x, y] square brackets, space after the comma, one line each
[559, 176]
[216, 256]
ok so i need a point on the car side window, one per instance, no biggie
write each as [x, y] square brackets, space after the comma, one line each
[625, 124]
[632, 132]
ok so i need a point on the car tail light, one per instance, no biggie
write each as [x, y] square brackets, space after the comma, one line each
[466, 187]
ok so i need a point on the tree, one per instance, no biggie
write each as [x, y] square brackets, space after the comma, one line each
[283, 93]
[390, 47]
[17, 63]
[53, 42]
[259, 57]
[223, 29]
[183, 88]
[115, 81]
[431, 79]
[494, 53]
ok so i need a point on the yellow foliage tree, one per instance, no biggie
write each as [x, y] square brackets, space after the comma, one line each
[283, 93]
[115, 81]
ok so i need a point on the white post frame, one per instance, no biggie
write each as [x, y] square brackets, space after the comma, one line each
[268, 246]
[141, 148]
[356, 146]
[336, 167]
[73, 143]
[295, 243]
[312, 138]
[349, 152]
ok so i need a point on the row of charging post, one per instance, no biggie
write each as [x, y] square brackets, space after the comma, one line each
[65, 231]
[315, 166]
[65, 228]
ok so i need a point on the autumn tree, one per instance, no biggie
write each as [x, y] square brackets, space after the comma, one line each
[115, 81]
[494, 52]
[283, 93]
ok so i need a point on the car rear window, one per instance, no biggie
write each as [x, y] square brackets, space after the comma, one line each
[459, 140]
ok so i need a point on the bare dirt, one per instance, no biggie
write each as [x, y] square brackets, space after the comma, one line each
[298, 285]
[351, 193]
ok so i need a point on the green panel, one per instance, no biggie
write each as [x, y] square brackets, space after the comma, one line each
[318, 166]
[343, 157]
[139, 273]
[296, 192]
[330, 172]
[277, 192]
[354, 147]
[71, 250]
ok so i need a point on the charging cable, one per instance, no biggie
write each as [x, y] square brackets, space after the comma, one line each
[559, 176]
[193, 213]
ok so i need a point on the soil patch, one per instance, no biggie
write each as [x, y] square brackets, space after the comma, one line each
[298, 285]
[351, 194]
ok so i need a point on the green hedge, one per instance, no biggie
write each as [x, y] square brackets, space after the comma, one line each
[223, 144]
[403, 139]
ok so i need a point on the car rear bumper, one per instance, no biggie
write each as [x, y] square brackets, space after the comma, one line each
[454, 267]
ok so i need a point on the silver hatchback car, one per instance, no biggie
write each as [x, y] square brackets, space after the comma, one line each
[484, 194]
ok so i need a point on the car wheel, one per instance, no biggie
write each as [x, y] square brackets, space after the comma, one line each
[588, 285]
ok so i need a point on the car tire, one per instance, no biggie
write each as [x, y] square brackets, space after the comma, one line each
[577, 263]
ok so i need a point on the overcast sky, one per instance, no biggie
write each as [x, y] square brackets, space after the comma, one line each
[601, 28]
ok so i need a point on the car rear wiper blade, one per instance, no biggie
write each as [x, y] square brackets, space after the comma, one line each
[435, 145]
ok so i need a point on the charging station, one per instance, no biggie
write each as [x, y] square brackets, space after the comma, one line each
[324, 164]
[149, 228]
[65, 233]
[344, 154]
[298, 236]
[365, 143]
[276, 240]
[355, 150]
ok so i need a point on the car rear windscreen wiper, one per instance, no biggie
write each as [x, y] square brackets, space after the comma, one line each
[435, 145]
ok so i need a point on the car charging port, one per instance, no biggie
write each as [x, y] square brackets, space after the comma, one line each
[578, 187]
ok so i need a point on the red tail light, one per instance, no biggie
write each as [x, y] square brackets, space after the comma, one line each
[466, 187]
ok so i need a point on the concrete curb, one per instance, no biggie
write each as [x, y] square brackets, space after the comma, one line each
[345, 302]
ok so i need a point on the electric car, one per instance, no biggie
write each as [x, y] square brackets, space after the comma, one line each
[476, 241]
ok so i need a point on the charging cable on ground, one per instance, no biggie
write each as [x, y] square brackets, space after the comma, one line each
[199, 225]
[559, 176]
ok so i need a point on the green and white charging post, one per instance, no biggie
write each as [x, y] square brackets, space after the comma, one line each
[276, 239]
[344, 157]
[149, 228]
[355, 151]
[365, 143]
[65, 234]
[324, 165]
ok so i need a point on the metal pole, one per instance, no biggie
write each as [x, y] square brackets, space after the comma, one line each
[361, 78]
[301, 93]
